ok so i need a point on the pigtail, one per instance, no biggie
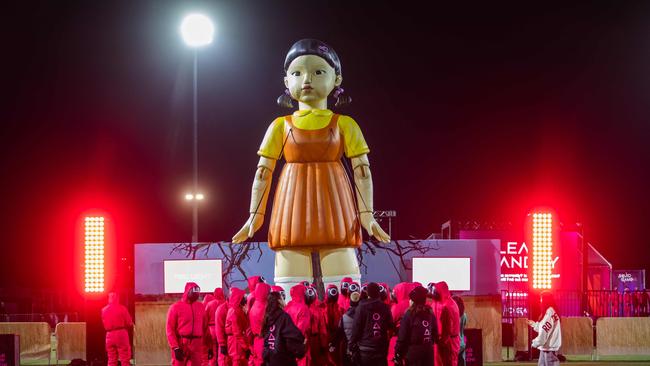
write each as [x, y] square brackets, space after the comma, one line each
[341, 99]
[285, 99]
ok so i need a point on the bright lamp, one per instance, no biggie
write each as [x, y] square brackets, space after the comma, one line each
[197, 30]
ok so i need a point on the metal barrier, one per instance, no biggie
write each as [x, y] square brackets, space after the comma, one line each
[606, 303]
[568, 302]
[602, 303]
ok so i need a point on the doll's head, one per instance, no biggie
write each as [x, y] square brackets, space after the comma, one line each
[312, 73]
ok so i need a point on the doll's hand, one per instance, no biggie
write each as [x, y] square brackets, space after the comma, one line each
[372, 227]
[253, 224]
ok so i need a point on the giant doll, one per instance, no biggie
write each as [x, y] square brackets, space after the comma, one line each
[315, 214]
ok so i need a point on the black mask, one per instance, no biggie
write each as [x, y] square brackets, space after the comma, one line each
[332, 295]
[243, 301]
[305, 283]
[310, 295]
[383, 294]
[193, 294]
[284, 295]
[262, 280]
[436, 295]
[393, 298]
[344, 288]
[431, 287]
[354, 287]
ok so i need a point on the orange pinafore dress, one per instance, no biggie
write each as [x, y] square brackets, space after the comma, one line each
[313, 204]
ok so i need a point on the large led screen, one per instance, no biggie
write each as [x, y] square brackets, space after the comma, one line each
[455, 271]
[205, 272]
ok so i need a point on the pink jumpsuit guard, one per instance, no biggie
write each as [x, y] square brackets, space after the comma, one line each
[117, 320]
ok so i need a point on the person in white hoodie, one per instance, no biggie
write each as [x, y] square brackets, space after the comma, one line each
[549, 337]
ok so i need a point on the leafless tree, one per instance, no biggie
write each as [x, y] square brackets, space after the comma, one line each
[233, 256]
[397, 248]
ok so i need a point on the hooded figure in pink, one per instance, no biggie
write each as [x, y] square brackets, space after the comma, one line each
[207, 358]
[238, 328]
[401, 291]
[218, 298]
[256, 317]
[253, 281]
[344, 299]
[299, 313]
[252, 284]
[187, 328]
[117, 320]
[279, 290]
[333, 314]
[317, 342]
[223, 359]
[449, 325]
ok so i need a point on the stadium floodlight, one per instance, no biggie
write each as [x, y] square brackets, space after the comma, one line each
[197, 30]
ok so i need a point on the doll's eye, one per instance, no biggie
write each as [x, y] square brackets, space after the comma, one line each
[295, 73]
[320, 72]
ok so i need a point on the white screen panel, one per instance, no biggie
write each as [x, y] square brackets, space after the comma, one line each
[206, 273]
[455, 271]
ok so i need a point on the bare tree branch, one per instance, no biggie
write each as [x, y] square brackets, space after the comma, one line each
[233, 256]
[399, 248]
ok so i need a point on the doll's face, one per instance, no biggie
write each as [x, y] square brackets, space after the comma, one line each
[310, 79]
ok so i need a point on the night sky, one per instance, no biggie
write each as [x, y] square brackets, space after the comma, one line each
[473, 111]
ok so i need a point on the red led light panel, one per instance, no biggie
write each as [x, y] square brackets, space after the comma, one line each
[94, 254]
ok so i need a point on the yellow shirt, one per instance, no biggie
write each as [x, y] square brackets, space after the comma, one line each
[314, 119]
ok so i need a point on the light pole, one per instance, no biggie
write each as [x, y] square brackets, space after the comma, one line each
[197, 31]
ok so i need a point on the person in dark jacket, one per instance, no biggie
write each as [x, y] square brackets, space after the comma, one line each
[373, 323]
[344, 333]
[283, 341]
[417, 333]
[333, 315]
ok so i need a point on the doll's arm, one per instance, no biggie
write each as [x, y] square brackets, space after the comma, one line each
[259, 196]
[363, 181]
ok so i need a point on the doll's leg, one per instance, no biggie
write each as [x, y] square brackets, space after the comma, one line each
[292, 267]
[339, 263]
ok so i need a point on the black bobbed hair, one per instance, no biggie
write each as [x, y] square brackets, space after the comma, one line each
[309, 46]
